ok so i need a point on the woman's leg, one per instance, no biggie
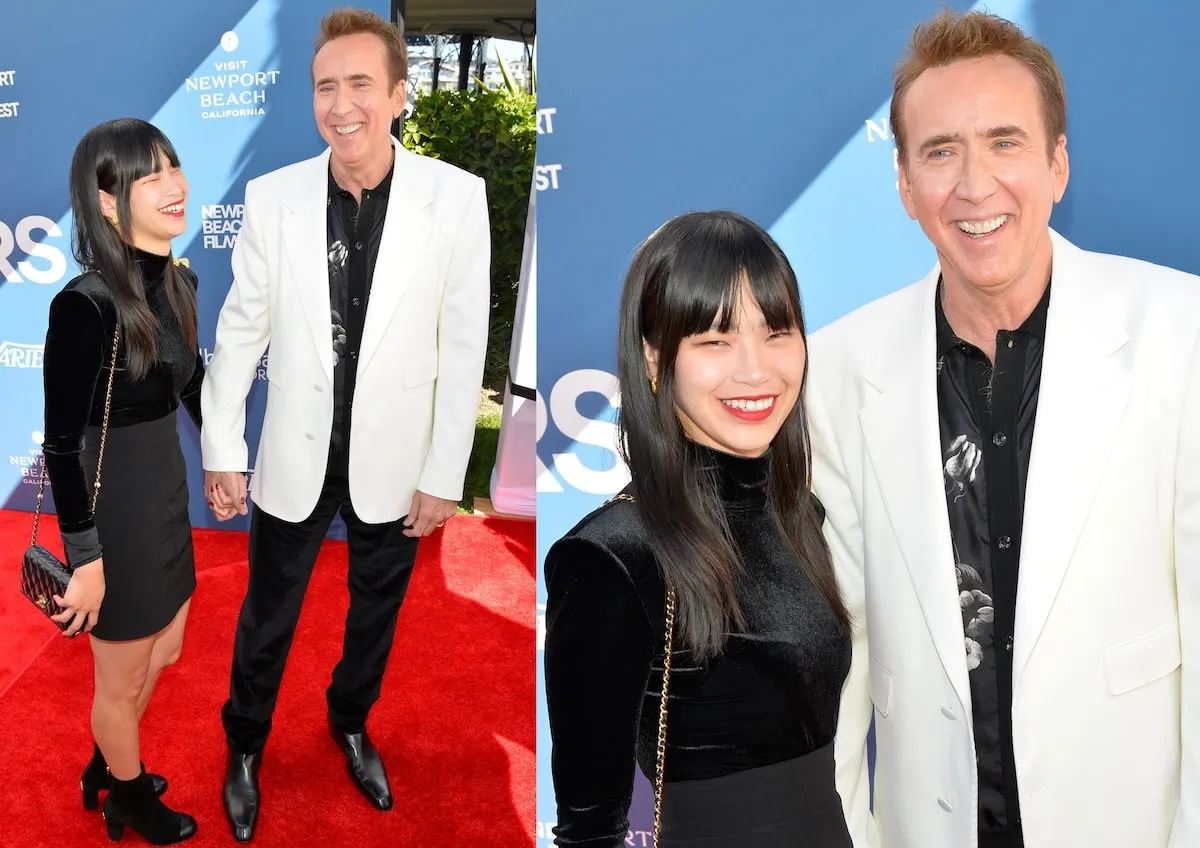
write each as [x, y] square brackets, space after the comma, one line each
[168, 644]
[121, 670]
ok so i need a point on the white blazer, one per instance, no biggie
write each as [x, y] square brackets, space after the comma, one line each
[1106, 708]
[420, 365]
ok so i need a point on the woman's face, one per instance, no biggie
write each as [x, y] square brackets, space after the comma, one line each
[734, 390]
[157, 204]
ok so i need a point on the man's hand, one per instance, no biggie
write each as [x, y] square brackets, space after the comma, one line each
[427, 513]
[226, 491]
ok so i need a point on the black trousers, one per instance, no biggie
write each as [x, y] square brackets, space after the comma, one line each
[1011, 838]
[282, 555]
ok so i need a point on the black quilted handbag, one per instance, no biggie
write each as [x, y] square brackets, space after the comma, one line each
[43, 575]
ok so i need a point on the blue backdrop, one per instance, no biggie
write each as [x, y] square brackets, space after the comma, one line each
[227, 81]
[778, 109]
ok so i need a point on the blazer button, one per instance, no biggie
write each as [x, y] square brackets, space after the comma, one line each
[949, 713]
[308, 436]
[945, 805]
[318, 388]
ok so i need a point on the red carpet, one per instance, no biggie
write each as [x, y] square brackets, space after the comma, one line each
[455, 723]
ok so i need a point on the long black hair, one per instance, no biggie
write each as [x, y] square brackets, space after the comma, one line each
[111, 157]
[687, 275]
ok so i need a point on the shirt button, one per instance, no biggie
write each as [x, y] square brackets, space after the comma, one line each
[999, 440]
[357, 302]
[358, 245]
[1003, 543]
[1008, 643]
[354, 355]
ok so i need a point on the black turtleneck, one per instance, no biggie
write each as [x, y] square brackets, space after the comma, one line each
[771, 696]
[76, 364]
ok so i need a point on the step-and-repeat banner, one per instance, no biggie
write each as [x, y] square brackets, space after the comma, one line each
[228, 82]
[778, 109]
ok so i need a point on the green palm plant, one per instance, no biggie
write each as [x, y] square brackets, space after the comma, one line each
[510, 82]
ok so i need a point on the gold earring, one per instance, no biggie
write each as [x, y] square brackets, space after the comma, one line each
[116, 222]
[654, 385]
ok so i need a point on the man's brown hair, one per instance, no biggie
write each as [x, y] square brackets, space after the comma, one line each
[346, 21]
[951, 37]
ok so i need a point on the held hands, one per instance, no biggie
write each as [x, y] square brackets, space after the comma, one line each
[80, 604]
[427, 513]
[227, 497]
[226, 491]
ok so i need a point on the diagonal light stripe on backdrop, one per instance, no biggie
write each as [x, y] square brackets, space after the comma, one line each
[819, 236]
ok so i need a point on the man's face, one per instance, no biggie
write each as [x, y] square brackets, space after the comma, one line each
[978, 174]
[352, 102]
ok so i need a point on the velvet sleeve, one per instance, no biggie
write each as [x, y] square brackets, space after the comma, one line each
[190, 396]
[597, 664]
[75, 348]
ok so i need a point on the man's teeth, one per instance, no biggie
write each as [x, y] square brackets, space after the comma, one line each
[750, 405]
[349, 129]
[982, 228]
[171, 210]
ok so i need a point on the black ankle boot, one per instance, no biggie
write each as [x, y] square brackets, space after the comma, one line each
[96, 777]
[132, 803]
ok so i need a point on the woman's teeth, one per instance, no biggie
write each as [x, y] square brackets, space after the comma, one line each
[750, 405]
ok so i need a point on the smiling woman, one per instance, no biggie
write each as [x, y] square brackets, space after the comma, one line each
[120, 359]
[712, 559]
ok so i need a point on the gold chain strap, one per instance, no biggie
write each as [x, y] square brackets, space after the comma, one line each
[112, 370]
[661, 758]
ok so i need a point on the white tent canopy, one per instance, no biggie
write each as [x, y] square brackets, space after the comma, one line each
[515, 19]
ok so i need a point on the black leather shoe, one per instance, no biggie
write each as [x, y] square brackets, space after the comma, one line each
[96, 777]
[241, 794]
[366, 766]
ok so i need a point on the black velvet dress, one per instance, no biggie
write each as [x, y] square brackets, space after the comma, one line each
[749, 759]
[141, 526]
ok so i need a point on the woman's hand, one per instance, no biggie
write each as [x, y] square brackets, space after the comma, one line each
[80, 604]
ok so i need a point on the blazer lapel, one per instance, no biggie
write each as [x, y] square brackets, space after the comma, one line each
[406, 234]
[900, 426]
[306, 239]
[1085, 383]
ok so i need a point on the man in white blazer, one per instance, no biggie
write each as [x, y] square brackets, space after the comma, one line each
[366, 270]
[1060, 708]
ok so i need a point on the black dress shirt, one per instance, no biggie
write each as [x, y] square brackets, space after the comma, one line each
[986, 417]
[354, 232]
